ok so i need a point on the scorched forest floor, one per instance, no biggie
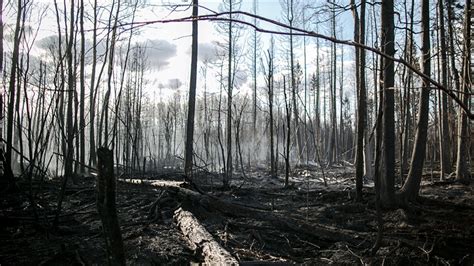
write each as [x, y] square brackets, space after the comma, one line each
[305, 223]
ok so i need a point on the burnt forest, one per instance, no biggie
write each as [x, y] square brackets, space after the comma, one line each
[236, 132]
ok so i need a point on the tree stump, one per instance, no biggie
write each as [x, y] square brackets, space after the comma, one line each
[107, 209]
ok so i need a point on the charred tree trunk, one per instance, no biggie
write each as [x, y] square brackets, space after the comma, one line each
[254, 68]
[104, 118]
[68, 171]
[219, 131]
[412, 185]
[107, 209]
[68, 157]
[462, 171]
[269, 82]
[359, 36]
[452, 38]
[288, 134]
[454, 72]
[387, 189]
[444, 138]
[92, 93]
[333, 151]
[82, 102]
[408, 82]
[11, 90]
[188, 160]
[228, 175]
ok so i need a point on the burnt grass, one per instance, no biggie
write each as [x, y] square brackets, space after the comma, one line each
[437, 229]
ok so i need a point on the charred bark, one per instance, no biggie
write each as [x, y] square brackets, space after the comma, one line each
[107, 209]
[200, 239]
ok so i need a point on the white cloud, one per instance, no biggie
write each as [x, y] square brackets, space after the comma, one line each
[206, 52]
[159, 53]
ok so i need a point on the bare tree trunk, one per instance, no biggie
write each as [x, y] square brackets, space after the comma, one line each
[104, 118]
[269, 81]
[408, 83]
[411, 187]
[305, 105]
[444, 138]
[11, 89]
[137, 67]
[238, 121]
[452, 37]
[462, 171]
[4, 166]
[340, 135]
[317, 104]
[69, 116]
[92, 92]
[454, 73]
[18, 137]
[377, 178]
[359, 36]
[207, 116]
[82, 102]
[219, 127]
[254, 70]
[228, 175]
[272, 140]
[288, 134]
[188, 160]
[333, 140]
[294, 92]
[387, 189]
[378, 163]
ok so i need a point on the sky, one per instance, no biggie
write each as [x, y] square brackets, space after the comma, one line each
[169, 45]
[177, 35]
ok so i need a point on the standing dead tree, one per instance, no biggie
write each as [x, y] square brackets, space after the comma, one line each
[188, 160]
[11, 92]
[268, 71]
[107, 208]
[462, 172]
[288, 133]
[359, 36]
[412, 186]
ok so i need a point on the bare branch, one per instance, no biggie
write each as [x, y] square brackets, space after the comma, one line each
[302, 32]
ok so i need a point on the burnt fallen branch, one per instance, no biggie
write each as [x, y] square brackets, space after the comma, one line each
[200, 239]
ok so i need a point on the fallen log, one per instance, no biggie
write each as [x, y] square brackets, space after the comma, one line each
[325, 233]
[200, 239]
[154, 183]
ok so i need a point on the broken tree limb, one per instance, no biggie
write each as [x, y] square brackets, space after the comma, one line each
[107, 209]
[199, 238]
